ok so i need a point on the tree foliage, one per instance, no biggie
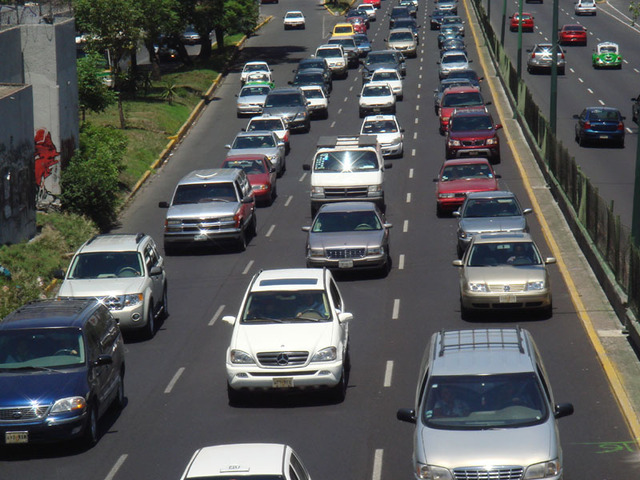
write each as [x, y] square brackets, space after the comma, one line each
[93, 93]
[89, 183]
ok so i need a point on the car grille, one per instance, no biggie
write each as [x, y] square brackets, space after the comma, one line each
[346, 192]
[472, 143]
[282, 359]
[196, 225]
[506, 288]
[20, 414]
[338, 253]
[507, 473]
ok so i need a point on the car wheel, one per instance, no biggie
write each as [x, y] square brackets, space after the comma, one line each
[361, 113]
[119, 401]
[465, 313]
[235, 397]
[169, 250]
[242, 241]
[253, 226]
[150, 327]
[400, 98]
[386, 268]
[459, 251]
[339, 392]
[581, 141]
[165, 303]
[307, 127]
[90, 435]
[561, 71]
[547, 312]
[621, 143]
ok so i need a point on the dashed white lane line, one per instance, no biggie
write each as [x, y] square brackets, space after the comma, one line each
[339, 111]
[112, 473]
[405, 226]
[270, 231]
[174, 380]
[346, 98]
[396, 309]
[636, 70]
[351, 88]
[580, 80]
[413, 152]
[216, 315]
[286, 204]
[590, 91]
[409, 197]
[419, 86]
[333, 124]
[415, 135]
[411, 173]
[248, 267]
[416, 121]
[377, 464]
[628, 130]
[302, 177]
[401, 262]
[600, 102]
[388, 373]
[417, 107]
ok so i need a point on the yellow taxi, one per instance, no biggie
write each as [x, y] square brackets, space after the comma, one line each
[343, 29]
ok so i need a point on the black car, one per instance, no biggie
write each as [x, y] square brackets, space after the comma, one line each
[453, 44]
[290, 104]
[437, 16]
[312, 76]
[469, 74]
[350, 48]
[397, 12]
[61, 368]
[635, 109]
[383, 59]
[315, 63]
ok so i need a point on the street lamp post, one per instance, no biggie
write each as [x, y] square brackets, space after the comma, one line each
[635, 217]
[504, 21]
[553, 97]
[519, 58]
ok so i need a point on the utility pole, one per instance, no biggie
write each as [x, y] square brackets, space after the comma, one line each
[519, 58]
[553, 97]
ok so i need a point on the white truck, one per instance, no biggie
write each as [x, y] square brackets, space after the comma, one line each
[347, 168]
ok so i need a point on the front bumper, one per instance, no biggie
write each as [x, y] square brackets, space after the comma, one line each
[391, 149]
[506, 300]
[314, 375]
[47, 431]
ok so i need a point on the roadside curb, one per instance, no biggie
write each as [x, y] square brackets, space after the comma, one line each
[195, 113]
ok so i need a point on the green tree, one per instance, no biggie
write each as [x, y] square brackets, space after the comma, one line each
[634, 8]
[114, 26]
[93, 93]
[90, 183]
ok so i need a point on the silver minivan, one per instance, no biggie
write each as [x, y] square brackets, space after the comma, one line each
[484, 408]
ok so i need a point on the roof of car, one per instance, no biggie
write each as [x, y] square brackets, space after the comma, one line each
[311, 87]
[380, 83]
[209, 175]
[289, 279]
[254, 133]
[466, 161]
[266, 116]
[347, 207]
[237, 460]
[113, 242]
[482, 351]
[502, 237]
[474, 111]
[49, 313]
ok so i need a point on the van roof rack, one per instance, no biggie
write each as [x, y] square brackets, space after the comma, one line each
[347, 141]
[480, 338]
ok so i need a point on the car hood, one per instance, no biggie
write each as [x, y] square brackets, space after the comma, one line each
[468, 185]
[340, 179]
[270, 152]
[273, 337]
[101, 287]
[505, 274]
[493, 224]
[346, 239]
[283, 111]
[203, 210]
[375, 66]
[19, 389]
[389, 137]
[251, 99]
[472, 134]
[402, 43]
[479, 448]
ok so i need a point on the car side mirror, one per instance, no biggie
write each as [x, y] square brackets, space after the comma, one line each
[456, 213]
[306, 167]
[247, 199]
[228, 147]
[498, 126]
[344, 317]
[163, 204]
[406, 415]
[550, 260]
[103, 360]
[527, 211]
[272, 169]
[289, 82]
[306, 229]
[230, 319]
[155, 271]
[488, 103]
[469, 61]
[243, 129]
[497, 175]
[402, 130]
[59, 274]
[457, 263]
[562, 410]
[388, 225]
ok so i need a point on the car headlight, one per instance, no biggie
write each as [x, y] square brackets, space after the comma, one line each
[375, 250]
[316, 252]
[462, 234]
[317, 190]
[446, 195]
[326, 355]
[132, 300]
[492, 141]
[69, 404]
[272, 157]
[240, 357]
[535, 285]
[301, 115]
[374, 188]
[454, 143]
[478, 287]
[260, 187]
[431, 472]
[550, 468]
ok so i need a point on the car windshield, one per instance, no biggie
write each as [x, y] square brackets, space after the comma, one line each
[346, 161]
[41, 349]
[503, 253]
[253, 91]
[380, 58]
[286, 306]
[106, 265]
[284, 100]
[253, 141]
[480, 402]
[251, 167]
[466, 99]
[330, 222]
[375, 91]
[329, 53]
[256, 67]
[491, 207]
[401, 37]
[465, 123]
[311, 64]
[266, 124]
[380, 126]
[204, 192]
[472, 170]
[313, 93]
[306, 77]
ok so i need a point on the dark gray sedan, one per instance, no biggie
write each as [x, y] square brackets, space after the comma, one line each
[349, 235]
[489, 212]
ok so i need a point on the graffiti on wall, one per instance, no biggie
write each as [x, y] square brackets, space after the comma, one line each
[47, 168]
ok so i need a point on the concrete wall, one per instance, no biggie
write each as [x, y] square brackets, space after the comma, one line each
[17, 164]
[11, 70]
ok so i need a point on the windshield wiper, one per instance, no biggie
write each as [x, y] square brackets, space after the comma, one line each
[30, 368]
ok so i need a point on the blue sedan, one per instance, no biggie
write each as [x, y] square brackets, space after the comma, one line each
[597, 125]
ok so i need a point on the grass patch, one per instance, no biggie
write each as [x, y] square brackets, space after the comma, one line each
[339, 7]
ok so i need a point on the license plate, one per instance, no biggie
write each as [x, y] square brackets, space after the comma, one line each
[16, 437]
[283, 382]
[507, 299]
[604, 136]
[199, 237]
[345, 263]
[473, 153]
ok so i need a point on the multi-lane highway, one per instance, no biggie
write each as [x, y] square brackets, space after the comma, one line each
[175, 383]
[610, 169]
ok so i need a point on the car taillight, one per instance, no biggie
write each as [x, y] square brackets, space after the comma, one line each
[286, 137]
[620, 126]
[587, 125]
[562, 56]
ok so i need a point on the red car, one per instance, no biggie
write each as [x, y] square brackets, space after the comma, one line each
[359, 25]
[527, 22]
[572, 35]
[375, 3]
[472, 133]
[459, 177]
[260, 172]
[458, 97]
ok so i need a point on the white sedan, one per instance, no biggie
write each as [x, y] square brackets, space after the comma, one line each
[376, 97]
[294, 19]
[392, 77]
[255, 68]
[318, 101]
[388, 132]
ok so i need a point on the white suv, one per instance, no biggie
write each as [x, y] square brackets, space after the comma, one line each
[126, 273]
[484, 409]
[291, 332]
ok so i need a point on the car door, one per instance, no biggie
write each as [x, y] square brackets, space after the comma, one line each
[338, 306]
[100, 377]
[152, 259]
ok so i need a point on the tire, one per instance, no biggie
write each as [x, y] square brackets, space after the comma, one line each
[169, 250]
[400, 98]
[165, 303]
[119, 400]
[235, 397]
[459, 251]
[465, 313]
[581, 141]
[242, 242]
[547, 312]
[339, 392]
[150, 327]
[90, 434]
[253, 226]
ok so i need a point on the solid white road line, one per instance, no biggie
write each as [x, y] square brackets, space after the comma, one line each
[388, 373]
[112, 473]
[174, 380]
[396, 309]
[246, 269]
[216, 315]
